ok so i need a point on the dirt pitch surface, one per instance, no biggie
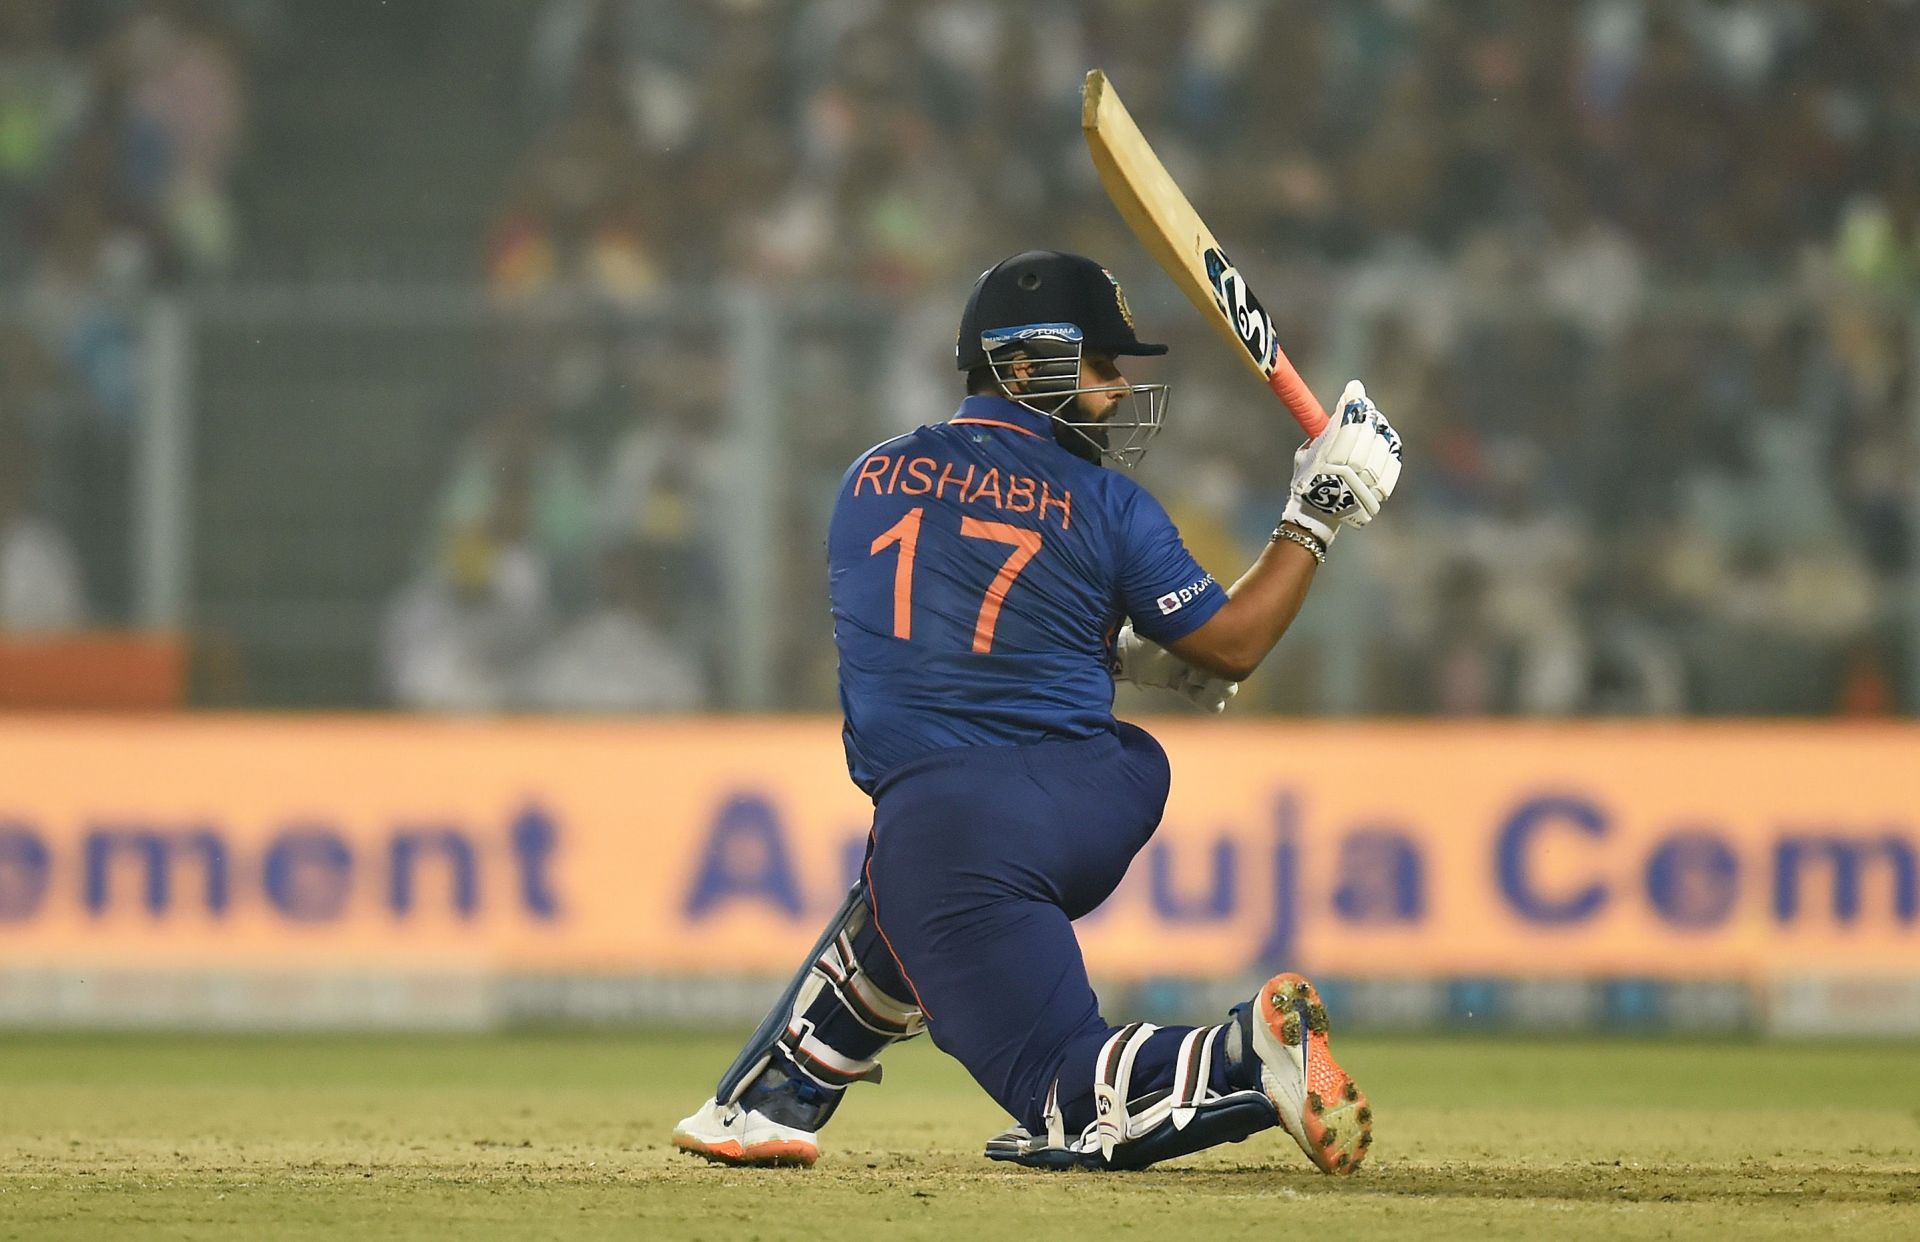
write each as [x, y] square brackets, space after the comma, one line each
[566, 1137]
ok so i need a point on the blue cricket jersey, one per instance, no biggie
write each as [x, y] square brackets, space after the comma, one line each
[979, 573]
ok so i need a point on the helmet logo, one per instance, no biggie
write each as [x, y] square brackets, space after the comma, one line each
[1062, 333]
[1120, 300]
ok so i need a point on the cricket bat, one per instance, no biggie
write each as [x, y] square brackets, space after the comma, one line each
[1180, 241]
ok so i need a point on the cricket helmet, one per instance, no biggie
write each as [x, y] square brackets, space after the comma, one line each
[1049, 287]
[1041, 311]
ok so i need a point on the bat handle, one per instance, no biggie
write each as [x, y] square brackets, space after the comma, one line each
[1292, 390]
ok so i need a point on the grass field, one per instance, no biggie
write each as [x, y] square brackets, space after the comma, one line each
[566, 1137]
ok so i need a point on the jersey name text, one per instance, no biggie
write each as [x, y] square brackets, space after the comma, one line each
[882, 475]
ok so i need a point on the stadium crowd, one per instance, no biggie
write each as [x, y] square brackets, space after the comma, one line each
[1636, 279]
[119, 128]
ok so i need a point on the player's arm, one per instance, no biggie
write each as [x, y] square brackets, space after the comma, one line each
[1259, 608]
[1340, 478]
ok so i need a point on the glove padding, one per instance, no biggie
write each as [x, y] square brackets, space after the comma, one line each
[1146, 663]
[1342, 476]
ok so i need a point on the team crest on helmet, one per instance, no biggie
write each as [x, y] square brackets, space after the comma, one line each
[1120, 300]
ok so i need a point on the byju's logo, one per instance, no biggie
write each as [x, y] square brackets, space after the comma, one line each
[1174, 601]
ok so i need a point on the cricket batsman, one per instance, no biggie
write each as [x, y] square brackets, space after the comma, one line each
[991, 578]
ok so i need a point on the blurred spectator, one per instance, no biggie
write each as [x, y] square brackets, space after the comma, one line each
[575, 228]
[119, 124]
[1879, 475]
[176, 72]
[511, 535]
[518, 471]
[41, 586]
[86, 275]
[1636, 667]
[459, 638]
[44, 90]
[620, 656]
[1530, 559]
[663, 489]
[1467, 666]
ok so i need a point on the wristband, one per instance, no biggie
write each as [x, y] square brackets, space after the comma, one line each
[1310, 542]
[1320, 526]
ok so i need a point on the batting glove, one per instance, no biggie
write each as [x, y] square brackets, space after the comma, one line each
[1146, 663]
[1342, 476]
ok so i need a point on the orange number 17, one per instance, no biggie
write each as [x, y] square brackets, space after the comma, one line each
[906, 533]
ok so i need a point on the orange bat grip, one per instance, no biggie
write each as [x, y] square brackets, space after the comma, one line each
[1293, 391]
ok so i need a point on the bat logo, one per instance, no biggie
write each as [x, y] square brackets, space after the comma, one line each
[1249, 319]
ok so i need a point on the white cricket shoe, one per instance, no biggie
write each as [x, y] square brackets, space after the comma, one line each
[731, 1134]
[1318, 1103]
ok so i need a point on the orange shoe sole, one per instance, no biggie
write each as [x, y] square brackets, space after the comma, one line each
[775, 1153]
[1337, 1119]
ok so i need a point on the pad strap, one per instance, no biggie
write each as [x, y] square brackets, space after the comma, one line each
[1132, 1131]
[834, 1019]
[1113, 1083]
[823, 1063]
[1056, 1121]
[1227, 1118]
[872, 1008]
[837, 981]
[1120, 1115]
[1191, 1072]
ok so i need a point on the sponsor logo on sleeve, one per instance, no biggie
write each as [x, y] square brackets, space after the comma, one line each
[1174, 601]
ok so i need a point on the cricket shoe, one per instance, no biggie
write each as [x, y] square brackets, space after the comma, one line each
[734, 1134]
[775, 1121]
[1318, 1103]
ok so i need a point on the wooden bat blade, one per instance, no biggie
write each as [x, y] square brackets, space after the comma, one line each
[1166, 224]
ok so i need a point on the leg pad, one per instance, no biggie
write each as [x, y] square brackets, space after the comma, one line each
[1226, 1119]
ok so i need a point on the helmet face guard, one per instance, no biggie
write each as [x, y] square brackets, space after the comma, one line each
[1051, 353]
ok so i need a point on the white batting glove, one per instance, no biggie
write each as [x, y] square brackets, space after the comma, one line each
[1342, 476]
[1146, 663]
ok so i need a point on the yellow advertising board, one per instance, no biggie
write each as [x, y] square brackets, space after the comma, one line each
[686, 846]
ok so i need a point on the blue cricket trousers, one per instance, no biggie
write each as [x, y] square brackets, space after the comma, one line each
[981, 857]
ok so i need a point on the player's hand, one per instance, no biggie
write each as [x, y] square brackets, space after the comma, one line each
[1146, 663]
[1342, 476]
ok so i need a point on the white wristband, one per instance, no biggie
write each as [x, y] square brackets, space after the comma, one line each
[1296, 512]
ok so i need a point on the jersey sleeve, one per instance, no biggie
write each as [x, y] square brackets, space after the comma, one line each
[1163, 590]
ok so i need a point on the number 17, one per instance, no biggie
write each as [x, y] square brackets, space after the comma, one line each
[906, 533]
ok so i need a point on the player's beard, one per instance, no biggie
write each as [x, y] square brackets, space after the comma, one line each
[1087, 441]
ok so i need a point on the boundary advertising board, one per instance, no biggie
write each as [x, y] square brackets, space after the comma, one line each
[688, 846]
